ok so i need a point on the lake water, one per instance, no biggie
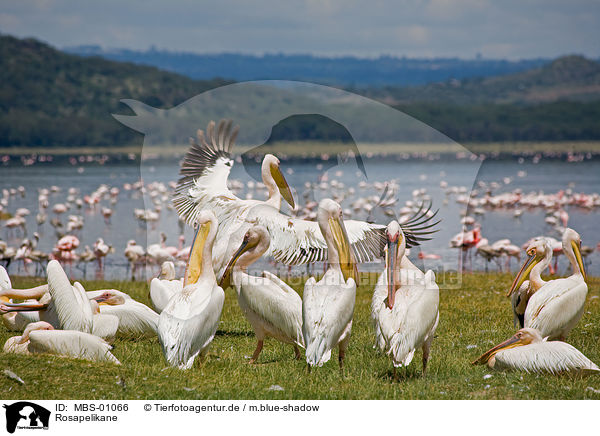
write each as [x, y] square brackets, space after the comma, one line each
[549, 176]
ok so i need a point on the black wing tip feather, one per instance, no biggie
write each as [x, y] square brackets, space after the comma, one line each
[202, 155]
[419, 225]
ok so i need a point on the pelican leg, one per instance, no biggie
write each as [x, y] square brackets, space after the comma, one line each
[426, 348]
[259, 346]
[297, 354]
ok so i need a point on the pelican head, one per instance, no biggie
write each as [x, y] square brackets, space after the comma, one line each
[110, 298]
[271, 166]
[40, 325]
[571, 241]
[256, 241]
[395, 240]
[194, 266]
[330, 218]
[167, 271]
[536, 251]
[524, 336]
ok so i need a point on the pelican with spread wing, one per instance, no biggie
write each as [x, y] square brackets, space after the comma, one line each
[272, 307]
[188, 324]
[558, 305]
[328, 305]
[203, 185]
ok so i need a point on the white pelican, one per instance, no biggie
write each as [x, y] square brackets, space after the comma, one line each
[294, 241]
[272, 307]
[62, 305]
[328, 305]
[134, 317]
[527, 351]
[163, 287]
[405, 304]
[41, 337]
[539, 249]
[188, 324]
[558, 305]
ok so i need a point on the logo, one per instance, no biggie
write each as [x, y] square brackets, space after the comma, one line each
[26, 415]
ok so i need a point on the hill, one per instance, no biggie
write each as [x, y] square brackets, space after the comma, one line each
[573, 78]
[50, 98]
[339, 71]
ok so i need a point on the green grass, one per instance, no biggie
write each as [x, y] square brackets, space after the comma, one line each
[477, 314]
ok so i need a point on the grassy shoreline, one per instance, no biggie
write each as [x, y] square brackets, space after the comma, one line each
[472, 319]
[299, 149]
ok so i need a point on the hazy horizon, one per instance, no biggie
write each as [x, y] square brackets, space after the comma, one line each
[429, 29]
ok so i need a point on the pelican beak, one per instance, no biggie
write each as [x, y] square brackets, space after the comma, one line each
[392, 252]
[577, 250]
[4, 299]
[524, 272]
[21, 307]
[194, 266]
[282, 184]
[100, 299]
[514, 341]
[226, 279]
[340, 237]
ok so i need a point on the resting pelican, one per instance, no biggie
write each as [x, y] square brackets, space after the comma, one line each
[408, 317]
[527, 351]
[163, 287]
[328, 305]
[188, 324]
[294, 241]
[64, 306]
[540, 249]
[269, 304]
[41, 337]
[558, 305]
[134, 317]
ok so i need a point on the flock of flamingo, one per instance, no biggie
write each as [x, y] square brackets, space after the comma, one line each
[232, 233]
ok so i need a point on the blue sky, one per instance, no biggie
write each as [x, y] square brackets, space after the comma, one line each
[416, 28]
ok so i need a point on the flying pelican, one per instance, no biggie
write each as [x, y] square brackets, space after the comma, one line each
[272, 307]
[163, 287]
[527, 351]
[557, 306]
[328, 305]
[203, 185]
[41, 337]
[540, 249]
[134, 317]
[408, 317]
[188, 324]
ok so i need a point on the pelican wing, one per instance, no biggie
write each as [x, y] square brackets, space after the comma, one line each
[327, 310]
[274, 302]
[295, 241]
[134, 317]
[4, 279]
[70, 302]
[554, 357]
[70, 343]
[105, 326]
[189, 323]
[161, 292]
[556, 307]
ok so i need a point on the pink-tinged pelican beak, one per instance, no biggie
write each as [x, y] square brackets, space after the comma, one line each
[577, 250]
[225, 281]
[340, 238]
[21, 307]
[102, 298]
[523, 274]
[194, 266]
[392, 253]
[282, 184]
[512, 342]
